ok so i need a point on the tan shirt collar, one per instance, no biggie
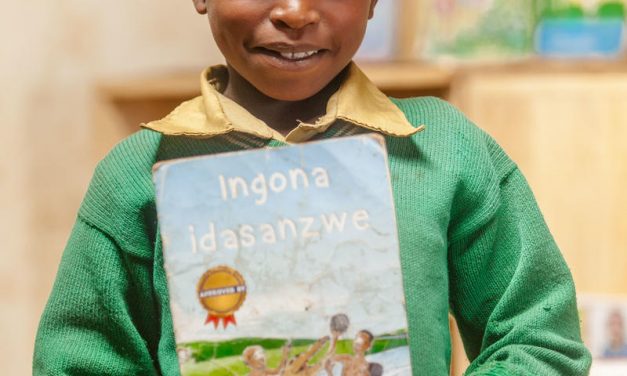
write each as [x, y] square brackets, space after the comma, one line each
[358, 101]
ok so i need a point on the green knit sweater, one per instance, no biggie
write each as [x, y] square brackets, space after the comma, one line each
[472, 242]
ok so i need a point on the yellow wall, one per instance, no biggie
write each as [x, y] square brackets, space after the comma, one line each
[567, 132]
[52, 52]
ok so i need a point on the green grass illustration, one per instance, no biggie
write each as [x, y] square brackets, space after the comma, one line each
[224, 358]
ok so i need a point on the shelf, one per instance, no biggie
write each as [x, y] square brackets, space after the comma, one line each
[390, 77]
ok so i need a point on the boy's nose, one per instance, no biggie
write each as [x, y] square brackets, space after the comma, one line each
[295, 14]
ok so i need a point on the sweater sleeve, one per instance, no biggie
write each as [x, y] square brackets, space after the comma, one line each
[87, 326]
[511, 291]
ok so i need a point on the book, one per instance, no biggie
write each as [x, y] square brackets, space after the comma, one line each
[284, 261]
[604, 331]
[604, 326]
[379, 43]
[477, 30]
[581, 29]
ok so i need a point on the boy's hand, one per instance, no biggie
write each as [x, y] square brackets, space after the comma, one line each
[287, 348]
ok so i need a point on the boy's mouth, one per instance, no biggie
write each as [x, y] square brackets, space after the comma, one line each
[298, 55]
[288, 53]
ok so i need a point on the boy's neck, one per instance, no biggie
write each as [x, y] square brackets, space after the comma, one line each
[282, 116]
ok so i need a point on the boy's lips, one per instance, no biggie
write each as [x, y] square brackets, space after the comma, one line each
[286, 55]
[282, 47]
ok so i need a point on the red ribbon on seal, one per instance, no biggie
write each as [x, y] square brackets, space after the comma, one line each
[226, 320]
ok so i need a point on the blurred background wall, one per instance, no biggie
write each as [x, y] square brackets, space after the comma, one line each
[51, 54]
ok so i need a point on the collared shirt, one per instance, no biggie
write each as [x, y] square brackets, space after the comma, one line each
[358, 102]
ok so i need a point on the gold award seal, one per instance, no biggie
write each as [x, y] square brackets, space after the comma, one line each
[221, 291]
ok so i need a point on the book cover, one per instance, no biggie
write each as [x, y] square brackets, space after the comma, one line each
[480, 30]
[284, 261]
[380, 40]
[604, 326]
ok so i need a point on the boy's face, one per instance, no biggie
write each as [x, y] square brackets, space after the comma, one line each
[288, 49]
[361, 343]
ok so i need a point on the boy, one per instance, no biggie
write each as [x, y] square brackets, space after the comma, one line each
[355, 364]
[255, 359]
[472, 239]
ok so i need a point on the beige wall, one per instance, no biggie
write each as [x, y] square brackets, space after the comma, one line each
[52, 53]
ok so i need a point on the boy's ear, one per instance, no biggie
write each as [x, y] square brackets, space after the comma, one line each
[373, 3]
[201, 6]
